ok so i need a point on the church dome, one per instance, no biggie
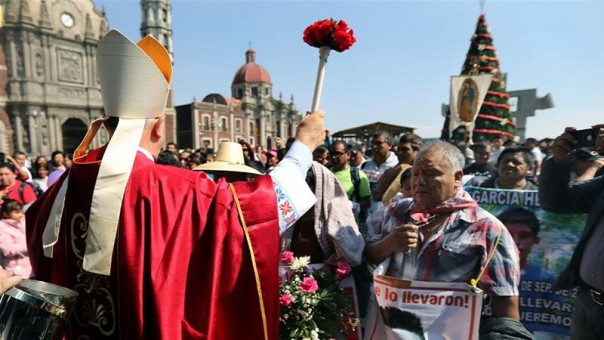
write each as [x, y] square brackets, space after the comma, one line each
[251, 72]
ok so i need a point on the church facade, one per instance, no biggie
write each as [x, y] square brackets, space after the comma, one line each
[50, 92]
[49, 87]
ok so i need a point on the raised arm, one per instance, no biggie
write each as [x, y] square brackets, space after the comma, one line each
[294, 197]
[556, 194]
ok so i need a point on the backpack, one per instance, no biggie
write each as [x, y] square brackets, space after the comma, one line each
[37, 190]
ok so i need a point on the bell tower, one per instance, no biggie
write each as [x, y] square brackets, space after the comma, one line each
[157, 21]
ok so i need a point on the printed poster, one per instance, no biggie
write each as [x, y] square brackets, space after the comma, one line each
[546, 242]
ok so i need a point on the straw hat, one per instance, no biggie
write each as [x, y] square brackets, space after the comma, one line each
[395, 186]
[229, 158]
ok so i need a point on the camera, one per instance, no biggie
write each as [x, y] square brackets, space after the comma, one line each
[585, 138]
[2, 157]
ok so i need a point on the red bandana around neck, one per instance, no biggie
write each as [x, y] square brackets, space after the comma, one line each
[461, 200]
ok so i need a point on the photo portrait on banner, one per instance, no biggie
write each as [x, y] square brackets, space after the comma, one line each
[546, 242]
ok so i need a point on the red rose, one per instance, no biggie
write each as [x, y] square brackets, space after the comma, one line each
[342, 41]
[319, 33]
[343, 269]
[323, 32]
[341, 25]
[309, 36]
[309, 285]
[287, 257]
[343, 36]
[285, 300]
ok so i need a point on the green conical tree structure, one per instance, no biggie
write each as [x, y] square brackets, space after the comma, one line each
[494, 117]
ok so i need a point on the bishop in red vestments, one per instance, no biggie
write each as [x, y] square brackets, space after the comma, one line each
[185, 258]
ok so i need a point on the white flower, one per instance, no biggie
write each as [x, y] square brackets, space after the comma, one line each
[314, 334]
[300, 262]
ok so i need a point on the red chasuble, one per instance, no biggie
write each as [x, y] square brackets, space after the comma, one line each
[181, 268]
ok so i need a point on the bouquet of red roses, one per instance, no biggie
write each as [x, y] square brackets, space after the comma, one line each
[313, 306]
[327, 35]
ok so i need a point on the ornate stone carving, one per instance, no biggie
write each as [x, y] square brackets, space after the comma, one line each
[26, 12]
[44, 16]
[20, 67]
[104, 28]
[72, 93]
[39, 64]
[43, 126]
[70, 66]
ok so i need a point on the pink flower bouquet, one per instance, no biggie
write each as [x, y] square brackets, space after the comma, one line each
[313, 306]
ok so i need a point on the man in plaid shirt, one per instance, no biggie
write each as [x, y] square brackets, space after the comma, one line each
[442, 235]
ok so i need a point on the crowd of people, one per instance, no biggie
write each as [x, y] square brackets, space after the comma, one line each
[164, 229]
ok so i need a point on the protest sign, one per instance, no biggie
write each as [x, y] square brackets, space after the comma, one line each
[546, 242]
[425, 310]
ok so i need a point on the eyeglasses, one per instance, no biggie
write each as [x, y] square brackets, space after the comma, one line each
[336, 154]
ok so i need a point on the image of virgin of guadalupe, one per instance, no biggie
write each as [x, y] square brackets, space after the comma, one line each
[467, 102]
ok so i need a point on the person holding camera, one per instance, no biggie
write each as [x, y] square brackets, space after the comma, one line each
[586, 267]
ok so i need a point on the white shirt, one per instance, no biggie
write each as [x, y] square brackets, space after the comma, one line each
[374, 172]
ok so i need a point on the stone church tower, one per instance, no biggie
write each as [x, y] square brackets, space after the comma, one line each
[49, 89]
[157, 22]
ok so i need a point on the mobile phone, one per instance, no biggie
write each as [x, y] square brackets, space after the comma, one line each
[585, 138]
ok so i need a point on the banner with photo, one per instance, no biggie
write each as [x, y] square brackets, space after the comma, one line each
[546, 242]
[424, 310]
[467, 95]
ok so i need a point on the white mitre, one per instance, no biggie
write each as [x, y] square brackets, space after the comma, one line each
[135, 83]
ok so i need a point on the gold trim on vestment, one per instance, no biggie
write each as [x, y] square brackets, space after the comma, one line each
[253, 257]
